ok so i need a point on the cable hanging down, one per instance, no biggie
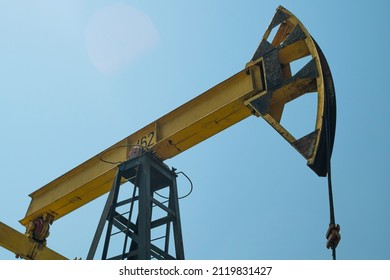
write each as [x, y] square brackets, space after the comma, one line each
[333, 233]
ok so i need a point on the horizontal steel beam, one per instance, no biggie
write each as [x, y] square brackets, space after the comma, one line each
[204, 116]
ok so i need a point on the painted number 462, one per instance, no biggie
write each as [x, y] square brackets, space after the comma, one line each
[148, 140]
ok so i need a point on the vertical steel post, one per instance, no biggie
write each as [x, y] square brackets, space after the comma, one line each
[178, 235]
[144, 211]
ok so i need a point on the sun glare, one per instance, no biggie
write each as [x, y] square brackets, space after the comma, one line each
[117, 35]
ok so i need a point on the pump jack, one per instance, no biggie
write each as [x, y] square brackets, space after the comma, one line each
[261, 89]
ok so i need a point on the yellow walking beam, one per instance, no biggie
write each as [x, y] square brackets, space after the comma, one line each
[25, 247]
[184, 127]
[262, 89]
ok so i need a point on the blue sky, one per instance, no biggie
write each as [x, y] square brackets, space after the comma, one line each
[78, 76]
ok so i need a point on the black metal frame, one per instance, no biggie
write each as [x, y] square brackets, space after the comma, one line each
[147, 175]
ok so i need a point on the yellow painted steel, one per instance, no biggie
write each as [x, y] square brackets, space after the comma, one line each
[25, 247]
[209, 113]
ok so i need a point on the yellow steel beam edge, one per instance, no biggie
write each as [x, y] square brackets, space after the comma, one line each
[25, 247]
